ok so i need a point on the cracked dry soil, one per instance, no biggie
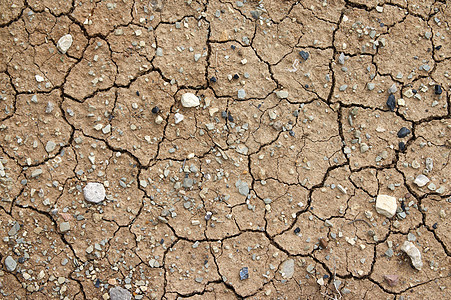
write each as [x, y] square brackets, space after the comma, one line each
[303, 113]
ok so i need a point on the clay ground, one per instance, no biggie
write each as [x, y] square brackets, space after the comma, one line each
[265, 190]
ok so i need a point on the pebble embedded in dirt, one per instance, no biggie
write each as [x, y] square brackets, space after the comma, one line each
[415, 255]
[386, 205]
[189, 100]
[64, 43]
[94, 192]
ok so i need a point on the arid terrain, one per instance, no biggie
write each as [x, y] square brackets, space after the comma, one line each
[222, 149]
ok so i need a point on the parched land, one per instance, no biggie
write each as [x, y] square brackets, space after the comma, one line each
[221, 149]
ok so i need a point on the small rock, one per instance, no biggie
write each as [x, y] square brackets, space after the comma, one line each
[49, 108]
[243, 187]
[10, 263]
[391, 102]
[323, 243]
[50, 146]
[64, 226]
[403, 132]
[64, 43]
[370, 86]
[178, 118]
[282, 94]
[421, 180]
[364, 147]
[392, 280]
[94, 192]
[36, 173]
[386, 205]
[39, 78]
[244, 273]
[412, 251]
[241, 94]
[437, 89]
[118, 293]
[155, 109]
[393, 89]
[341, 58]
[190, 100]
[159, 52]
[304, 54]
[13, 231]
[287, 268]
[158, 120]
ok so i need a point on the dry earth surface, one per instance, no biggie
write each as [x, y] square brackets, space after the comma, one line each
[214, 149]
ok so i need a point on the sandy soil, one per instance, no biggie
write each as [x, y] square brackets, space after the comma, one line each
[240, 149]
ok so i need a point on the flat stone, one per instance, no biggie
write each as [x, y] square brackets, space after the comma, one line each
[391, 102]
[10, 263]
[282, 94]
[415, 255]
[241, 94]
[304, 54]
[118, 293]
[36, 173]
[392, 280]
[64, 43]
[243, 187]
[178, 118]
[64, 226]
[287, 268]
[421, 180]
[94, 192]
[370, 86]
[244, 273]
[190, 100]
[403, 132]
[386, 205]
[13, 231]
[50, 146]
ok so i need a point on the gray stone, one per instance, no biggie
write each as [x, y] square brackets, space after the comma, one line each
[159, 52]
[243, 187]
[341, 59]
[241, 94]
[370, 86]
[64, 226]
[287, 268]
[118, 293]
[14, 229]
[10, 263]
[94, 192]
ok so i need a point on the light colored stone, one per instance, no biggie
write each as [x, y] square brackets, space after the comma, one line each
[64, 226]
[241, 94]
[118, 293]
[287, 268]
[94, 192]
[10, 263]
[386, 205]
[158, 120]
[64, 43]
[282, 94]
[178, 118]
[50, 146]
[190, 100]
[415, 255]
[421, 180]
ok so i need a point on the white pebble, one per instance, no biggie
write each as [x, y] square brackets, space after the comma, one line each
[190, 100]
[94, 192]
[64, 43]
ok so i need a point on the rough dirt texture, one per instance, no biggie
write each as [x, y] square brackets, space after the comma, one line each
[266, 190]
